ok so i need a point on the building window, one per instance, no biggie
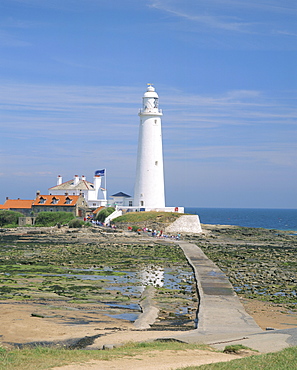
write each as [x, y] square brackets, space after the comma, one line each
[130, 203]
[41, 200]
[156, 163]
[142, 203]
[68, 200]
[54, 200]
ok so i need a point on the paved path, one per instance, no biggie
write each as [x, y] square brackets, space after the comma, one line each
[222, 319]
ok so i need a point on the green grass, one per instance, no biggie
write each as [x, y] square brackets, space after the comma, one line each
[283, 360]
[40, 358]
[147, 216]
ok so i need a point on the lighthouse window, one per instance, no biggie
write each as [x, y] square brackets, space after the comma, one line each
[156, 163]
[155, 121]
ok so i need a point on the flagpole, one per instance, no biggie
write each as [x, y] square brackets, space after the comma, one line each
[105, 183]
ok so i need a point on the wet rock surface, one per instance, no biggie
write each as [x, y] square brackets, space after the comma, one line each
[96, 272]
[259, 263]
[93, 271]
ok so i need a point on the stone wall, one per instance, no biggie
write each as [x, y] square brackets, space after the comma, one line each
[26, 221]
[185, 224]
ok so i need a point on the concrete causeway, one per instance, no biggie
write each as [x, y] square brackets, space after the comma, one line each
[220, 311]
[222, 319]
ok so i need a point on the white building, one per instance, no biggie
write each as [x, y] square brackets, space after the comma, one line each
[121, 199]
[149, 183]
[93, 193]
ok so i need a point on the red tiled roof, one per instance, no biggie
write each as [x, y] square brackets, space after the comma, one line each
[97, 210]
[55, 200]
[17, 203]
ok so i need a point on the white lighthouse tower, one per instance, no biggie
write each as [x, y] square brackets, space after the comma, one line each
[149, 184]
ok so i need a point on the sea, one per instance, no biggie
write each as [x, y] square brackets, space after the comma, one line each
[279, 219]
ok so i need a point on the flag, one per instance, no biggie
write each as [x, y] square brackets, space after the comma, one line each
[100, 173]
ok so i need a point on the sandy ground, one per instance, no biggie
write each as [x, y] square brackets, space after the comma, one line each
[57, 326]
[156, 360]
[269, 315]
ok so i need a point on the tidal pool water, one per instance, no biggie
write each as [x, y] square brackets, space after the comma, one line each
[121, 290]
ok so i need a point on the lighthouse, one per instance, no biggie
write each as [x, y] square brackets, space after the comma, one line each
[149, 183]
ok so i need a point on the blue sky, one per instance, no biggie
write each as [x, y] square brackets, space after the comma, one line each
[73, 72]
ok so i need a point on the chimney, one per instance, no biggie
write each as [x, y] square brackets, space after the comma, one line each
[97, 185]
[76, 180]
[7, 198]
[59, 180]
[37, 193]
[66, 194]
[83, 178]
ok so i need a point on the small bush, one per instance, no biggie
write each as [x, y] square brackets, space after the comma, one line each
[75, 223]
[105, 212]
[53, 218]
[235, 348]
[9, 218]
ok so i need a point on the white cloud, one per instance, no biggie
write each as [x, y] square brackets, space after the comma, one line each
[214, 21]
[286, 33]
[9, 40]
[250, 17]
[112, 111]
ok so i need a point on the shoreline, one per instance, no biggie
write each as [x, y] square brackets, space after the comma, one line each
[56, 323]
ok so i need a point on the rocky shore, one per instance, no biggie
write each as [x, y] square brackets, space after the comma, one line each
[259, 263]
[43, 300]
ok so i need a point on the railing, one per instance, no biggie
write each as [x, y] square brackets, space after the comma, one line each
[125, 209]
[152, 110]
[115, 214]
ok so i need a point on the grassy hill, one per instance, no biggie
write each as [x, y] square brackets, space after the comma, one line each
[152, 220]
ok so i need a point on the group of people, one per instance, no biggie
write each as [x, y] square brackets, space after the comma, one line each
[99, 223]
[155, 233]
